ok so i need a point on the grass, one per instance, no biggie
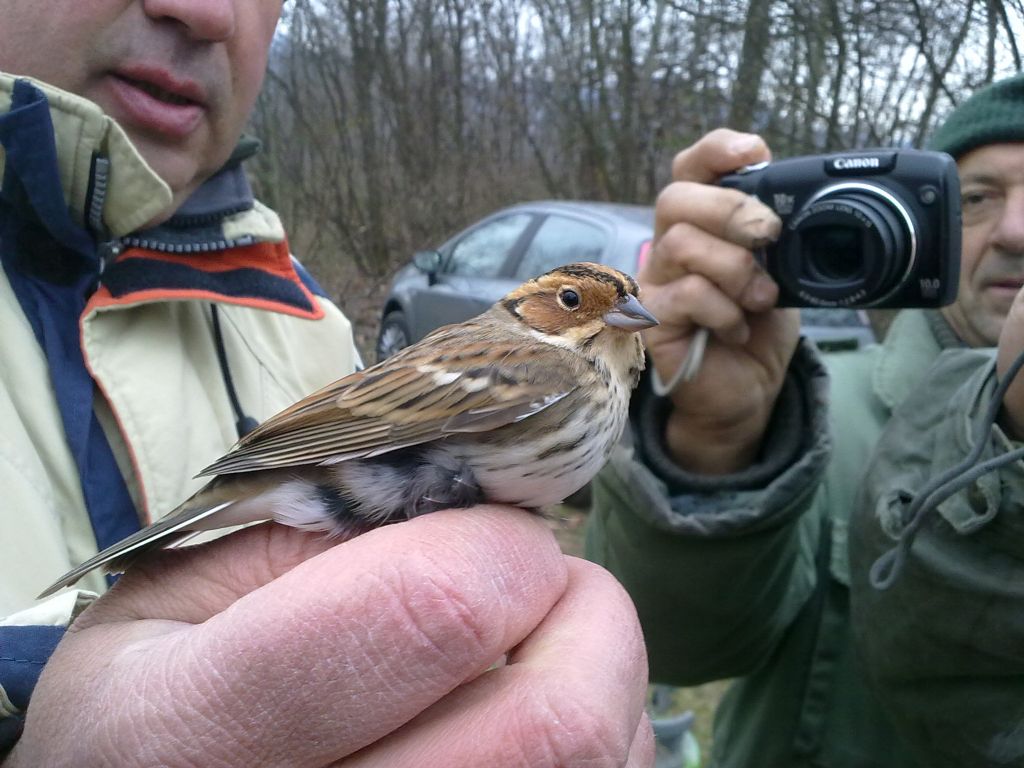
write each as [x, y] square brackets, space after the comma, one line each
[568, 524]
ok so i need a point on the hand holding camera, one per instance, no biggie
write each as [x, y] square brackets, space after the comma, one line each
[702, 273]
[860, 229]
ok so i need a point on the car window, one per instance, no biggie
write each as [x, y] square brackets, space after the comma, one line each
[483, 251]
[558, 241]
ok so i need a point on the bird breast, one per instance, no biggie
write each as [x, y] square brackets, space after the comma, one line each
[542, 460]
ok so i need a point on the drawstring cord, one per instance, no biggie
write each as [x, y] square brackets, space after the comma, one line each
[886, 569]
[244, 424]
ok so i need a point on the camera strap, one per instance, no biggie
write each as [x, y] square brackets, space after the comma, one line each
[886, 569]
[687, 369]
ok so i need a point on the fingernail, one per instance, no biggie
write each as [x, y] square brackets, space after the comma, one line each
[762, 231]
[745, 144]
[761, 291]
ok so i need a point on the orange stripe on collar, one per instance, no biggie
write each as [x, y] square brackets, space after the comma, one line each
[261, 275]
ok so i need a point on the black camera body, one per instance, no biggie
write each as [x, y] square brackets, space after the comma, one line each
[871, 228]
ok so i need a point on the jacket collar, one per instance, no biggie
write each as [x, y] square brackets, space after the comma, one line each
[89, 186]
[111, 191]
[911, 344]
[97, 199]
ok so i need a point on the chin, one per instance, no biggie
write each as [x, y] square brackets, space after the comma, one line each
[975, 328]
[177, 167]
[988, 331]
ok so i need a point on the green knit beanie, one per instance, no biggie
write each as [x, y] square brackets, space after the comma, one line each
[993, 115]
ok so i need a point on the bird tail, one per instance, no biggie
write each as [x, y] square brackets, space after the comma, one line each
[172, 529]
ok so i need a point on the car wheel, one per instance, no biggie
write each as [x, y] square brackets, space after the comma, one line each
[393, 336]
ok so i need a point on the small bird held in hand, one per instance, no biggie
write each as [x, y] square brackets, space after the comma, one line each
[521, 405]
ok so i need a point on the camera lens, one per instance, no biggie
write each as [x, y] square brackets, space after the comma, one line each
[851, 245]
[833, 253]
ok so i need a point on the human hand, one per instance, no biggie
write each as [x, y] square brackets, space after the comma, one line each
[1011, 344]
[280, 648]
[702, 273]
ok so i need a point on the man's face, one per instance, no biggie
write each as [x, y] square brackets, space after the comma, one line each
[992, 265]
[180, 76]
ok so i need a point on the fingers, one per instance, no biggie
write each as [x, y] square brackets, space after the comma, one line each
[571, 694]
[689, 250]
[643, 751]
[1011, 344]
[698, 279]
[345, 647]
[702, 270]
[720, 152]
[724, 213]
[695, 301]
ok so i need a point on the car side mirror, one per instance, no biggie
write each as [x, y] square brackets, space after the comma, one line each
[428, 262]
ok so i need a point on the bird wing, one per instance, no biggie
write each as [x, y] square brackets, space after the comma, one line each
[462, 378]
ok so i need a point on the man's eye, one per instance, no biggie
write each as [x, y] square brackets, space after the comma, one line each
[973, 198]
[980, 204]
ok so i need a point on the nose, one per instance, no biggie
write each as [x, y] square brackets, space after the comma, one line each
[205, 20]
[1009, 232]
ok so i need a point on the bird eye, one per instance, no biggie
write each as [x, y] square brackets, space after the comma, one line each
[570, 299]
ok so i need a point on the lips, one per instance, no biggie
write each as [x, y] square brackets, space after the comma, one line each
[1003, 292]
[159, 93]
[154, 101]
[1009, 284]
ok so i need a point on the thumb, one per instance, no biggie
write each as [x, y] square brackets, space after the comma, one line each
[1011, 345]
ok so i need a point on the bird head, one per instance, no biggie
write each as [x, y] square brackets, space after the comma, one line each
[578, 301]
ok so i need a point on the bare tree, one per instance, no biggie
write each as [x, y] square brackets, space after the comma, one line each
[752, 64]
[388, 124]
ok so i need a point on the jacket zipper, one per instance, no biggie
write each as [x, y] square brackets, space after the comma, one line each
[205, 246]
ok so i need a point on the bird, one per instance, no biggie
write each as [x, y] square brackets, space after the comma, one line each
[521, 405]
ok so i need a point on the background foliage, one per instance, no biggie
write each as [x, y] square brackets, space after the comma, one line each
[389, 124]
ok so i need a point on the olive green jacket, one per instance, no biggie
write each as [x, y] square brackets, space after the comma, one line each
[944, 644]
[747, 576]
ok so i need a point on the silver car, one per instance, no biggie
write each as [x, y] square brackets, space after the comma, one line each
[482, 263]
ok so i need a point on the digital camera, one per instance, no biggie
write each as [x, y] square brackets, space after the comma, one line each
[871, 228]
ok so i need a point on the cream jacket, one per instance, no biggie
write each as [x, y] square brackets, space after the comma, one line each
[160, 391]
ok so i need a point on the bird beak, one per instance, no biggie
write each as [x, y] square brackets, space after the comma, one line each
[630, 315]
